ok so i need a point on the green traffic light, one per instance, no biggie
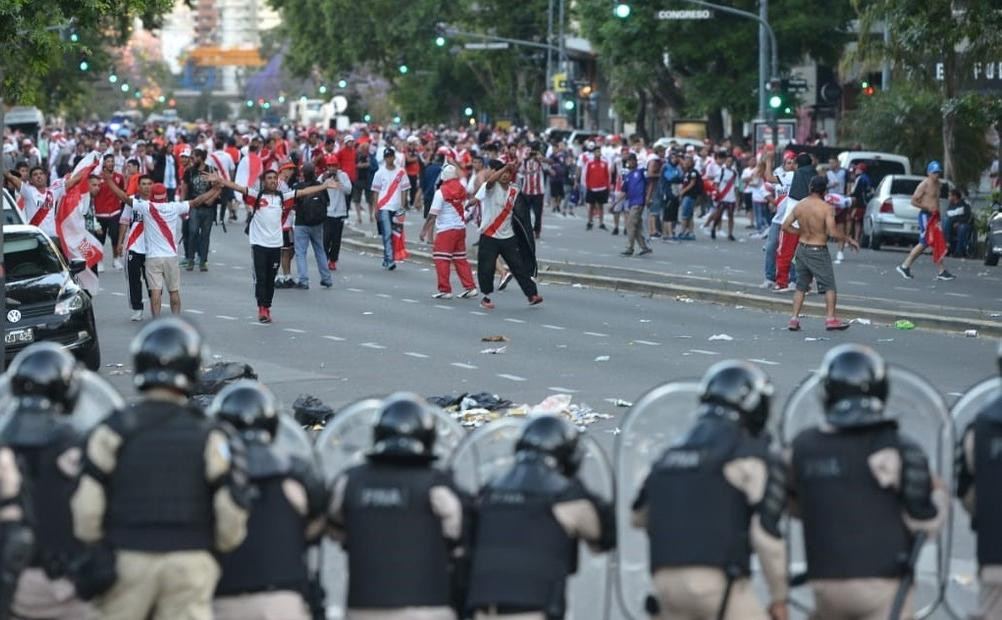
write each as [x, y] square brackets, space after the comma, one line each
[468, 111]
[404, 69]
[864, 85]
[125, 88]
[342, 84]
[249, 103]
[367, 118]
[396, 120]
[84, 65]
[568, 105]
[74, 37]
[440, 41]
[775, 101]
[112, 78]
[322, 89]
[622, 10]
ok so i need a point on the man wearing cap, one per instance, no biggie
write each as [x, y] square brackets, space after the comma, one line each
[29, 153]
[926, 200]
[346, 158]
[337, 207]
[390, 183]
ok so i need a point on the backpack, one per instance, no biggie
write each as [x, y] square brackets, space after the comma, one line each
[312, 210]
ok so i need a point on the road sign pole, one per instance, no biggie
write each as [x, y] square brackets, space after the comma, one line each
[763, 57]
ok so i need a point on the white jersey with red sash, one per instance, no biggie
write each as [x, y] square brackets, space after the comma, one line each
[40, 205]
[135, 240]
[270, 212]
[531, 174]
[497, 203]
[160, 225]
[223, 164]
[248, 170]
[725, 183]
[390, 185]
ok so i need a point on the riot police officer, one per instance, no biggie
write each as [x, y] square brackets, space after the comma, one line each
[527, 525]
[862, 489]
[979, 472]
[714, 497]
[45, 383]
[162, 489]
[400, 520]
[266, 576]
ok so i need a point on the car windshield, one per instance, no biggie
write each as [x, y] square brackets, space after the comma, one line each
[29, 256]
[906, 187]
[880, 168]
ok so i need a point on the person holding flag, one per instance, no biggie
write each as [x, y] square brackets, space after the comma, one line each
[926, 200]
[447, 216]
[390, 184]
[39, 199]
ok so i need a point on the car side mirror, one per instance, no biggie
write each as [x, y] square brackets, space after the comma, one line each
[77, 265]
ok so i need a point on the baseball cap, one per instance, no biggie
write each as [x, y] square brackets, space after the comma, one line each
[159, 192]
[349, 138]
[332, 160]
[185, 152]
[389, 152]
[934, 166]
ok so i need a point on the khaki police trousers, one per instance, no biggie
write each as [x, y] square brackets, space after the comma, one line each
[37, 596]
[857, 599]
[696, 594]
[172, 586]
[280, 605]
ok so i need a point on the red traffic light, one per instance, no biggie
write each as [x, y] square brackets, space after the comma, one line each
[869, 91]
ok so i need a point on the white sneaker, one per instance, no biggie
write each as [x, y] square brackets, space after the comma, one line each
[468, 293]
[767, 284]
[100, 267]
[137, 315]
[441, 295]
[839, 257]
[117, 263]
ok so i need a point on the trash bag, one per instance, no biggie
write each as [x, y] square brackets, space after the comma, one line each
[311, 411]
[221, 374]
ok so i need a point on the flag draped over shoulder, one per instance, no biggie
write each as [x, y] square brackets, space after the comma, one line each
[71, 227]
[248, 170]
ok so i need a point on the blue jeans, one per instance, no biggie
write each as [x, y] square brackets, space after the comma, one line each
[386, 230]
[961, 235]
[199, 230]
[687, 208]
[771, 245]
[761, 215]
[303, 237]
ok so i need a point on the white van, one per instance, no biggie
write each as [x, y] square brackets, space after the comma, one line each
[878, 165]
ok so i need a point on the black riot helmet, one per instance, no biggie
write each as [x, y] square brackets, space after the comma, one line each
[167, 353]
[554, 438]
[1000, 357]
[854, 386]
[742, 387]
[45, 375]
[249, 407]
[405, 430]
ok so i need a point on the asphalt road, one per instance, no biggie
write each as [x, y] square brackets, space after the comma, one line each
[379, 331]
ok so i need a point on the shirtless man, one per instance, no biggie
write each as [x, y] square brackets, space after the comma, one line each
[816, 219]
[926, 199]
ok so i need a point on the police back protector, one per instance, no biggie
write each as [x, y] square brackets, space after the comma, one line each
[987, 519]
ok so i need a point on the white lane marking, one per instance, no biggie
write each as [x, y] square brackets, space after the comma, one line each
[409, 301]
[117, 294]
[759, 360]
[294, 330]
[258, 323]
[355, 290]
[562, 389]
[515, 320]
[462, 365]
[957, 294]
[219, 264]
[440, 306]
[703, 351]
[512, 377]
[597, 334]
[235, 267]
[905, 288]
[417, 355]
[371, 345]
[553, 327]
[193, 311]
[955, 394]
[648, 343]
[226, 318]
[478, 313]
[335, 338]
[858, 283]
[384, 295]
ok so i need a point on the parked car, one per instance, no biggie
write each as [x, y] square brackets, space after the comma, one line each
[878, 165]
[44, 302]
[11, 214]
[993, 243]
[890, 215]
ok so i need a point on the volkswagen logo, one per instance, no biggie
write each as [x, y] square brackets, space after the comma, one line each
[14, 316]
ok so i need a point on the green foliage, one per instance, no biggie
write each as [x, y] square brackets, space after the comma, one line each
[40, 67]
[910, 121]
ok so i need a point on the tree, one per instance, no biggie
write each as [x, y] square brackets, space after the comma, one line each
[712, 64]
[957, 33]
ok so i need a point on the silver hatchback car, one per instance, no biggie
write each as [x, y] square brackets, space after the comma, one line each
[890, 216]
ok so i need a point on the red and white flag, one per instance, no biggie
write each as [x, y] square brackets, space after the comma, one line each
[71, 227]
[249, 170]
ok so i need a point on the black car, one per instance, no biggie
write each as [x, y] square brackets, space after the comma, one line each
[44, 302]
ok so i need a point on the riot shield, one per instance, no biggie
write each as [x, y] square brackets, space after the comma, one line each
[96, 400]
[343, 444]
[490, 450]
[962, 588]
[658, 419]
[922, 416]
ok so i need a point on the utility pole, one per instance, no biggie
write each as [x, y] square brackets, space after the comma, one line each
[3, 262]
[549, 57]
[763, 59]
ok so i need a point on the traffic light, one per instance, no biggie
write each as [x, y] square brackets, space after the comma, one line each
[367, 118]
[112, 78]
[74, 37]
[622, 10]
[867, 88]
[323, 89]
[468, 111]
[440, 41]
[84, 65]
[775, 102]
[125, 88]
[249, 103]
[342, 84]
[403, 69]
[569, 105]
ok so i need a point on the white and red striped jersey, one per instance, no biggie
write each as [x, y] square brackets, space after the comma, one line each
[135, 240]
[40, 206]
[269, 216]
[160, 224]
[530, 175]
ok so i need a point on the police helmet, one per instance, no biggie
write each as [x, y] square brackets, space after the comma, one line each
[554, 438]
[167, 353]
[854, 386]
[46, 374]
[249, 407]
[741, 386]
[1000, 357]
[405, 429]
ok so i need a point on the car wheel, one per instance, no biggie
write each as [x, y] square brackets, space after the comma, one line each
[991, 258]
[875, 241]
[864, 238]
[92, 357]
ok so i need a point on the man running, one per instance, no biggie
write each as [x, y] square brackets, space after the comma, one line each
[817, 223]
[926, 199]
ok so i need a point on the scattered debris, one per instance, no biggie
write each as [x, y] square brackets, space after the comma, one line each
[726, 337]
[971, 333]
[861, 321]
[602, 358]
[904, 324]
[685, 299]
[219, 375]
[479, 409]
[494, 339]
[812, 339]
[885, 339]
[495, 351]
[310, 411]
[619, 402]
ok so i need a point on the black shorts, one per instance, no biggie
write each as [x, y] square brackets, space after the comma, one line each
[671, 210]
[287, 243]
[599, 197]
[557, 189]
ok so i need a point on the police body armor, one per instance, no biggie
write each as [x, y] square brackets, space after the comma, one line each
[38, 440]
[696, 517]
[522, 556]
[160, 500]
[852, 526]
[987, 518]
[397, 554]
[272, 556]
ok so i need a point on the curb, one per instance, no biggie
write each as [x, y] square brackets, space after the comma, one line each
[682, 292]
